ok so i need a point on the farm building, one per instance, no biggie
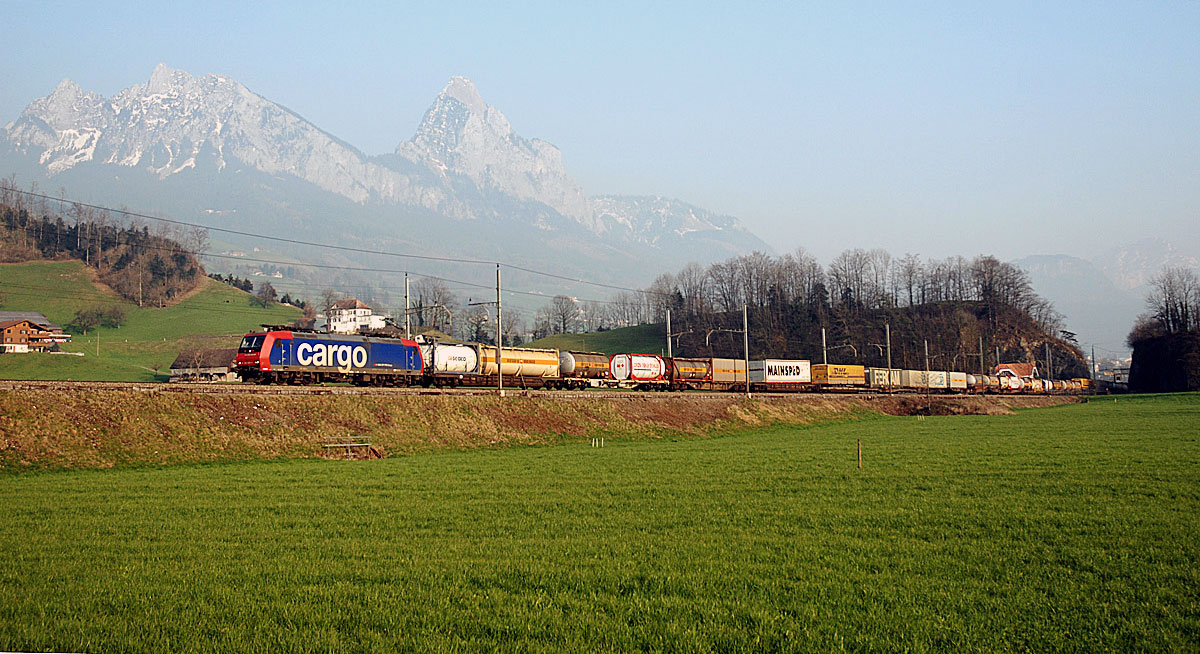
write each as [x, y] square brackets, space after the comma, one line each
[1025, 371]
[204, 365]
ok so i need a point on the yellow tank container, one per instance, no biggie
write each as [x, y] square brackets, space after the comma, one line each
[522, 362]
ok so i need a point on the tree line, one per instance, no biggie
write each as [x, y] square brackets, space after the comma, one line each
[954, 304]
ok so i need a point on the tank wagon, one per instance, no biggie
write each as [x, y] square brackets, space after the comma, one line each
[640, 371]
[582, 369]
[472, 364]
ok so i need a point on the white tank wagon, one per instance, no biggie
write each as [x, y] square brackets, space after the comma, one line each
[450, 358]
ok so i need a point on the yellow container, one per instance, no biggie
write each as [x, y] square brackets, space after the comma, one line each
[838, 374]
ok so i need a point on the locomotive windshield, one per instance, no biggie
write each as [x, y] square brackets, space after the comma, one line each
[252, 343]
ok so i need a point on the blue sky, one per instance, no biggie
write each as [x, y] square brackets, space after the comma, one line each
[939, 129]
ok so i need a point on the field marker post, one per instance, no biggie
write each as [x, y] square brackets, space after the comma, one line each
[860, 454]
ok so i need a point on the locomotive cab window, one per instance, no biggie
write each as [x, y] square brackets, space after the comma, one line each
[252, 343]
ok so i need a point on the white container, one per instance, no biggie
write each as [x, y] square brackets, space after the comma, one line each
[781, 371]
[958, 380]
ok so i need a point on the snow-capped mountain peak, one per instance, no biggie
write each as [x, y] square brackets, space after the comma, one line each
[465, 161]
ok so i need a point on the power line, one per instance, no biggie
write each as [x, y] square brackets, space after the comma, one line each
[331, 246]
[301, 264]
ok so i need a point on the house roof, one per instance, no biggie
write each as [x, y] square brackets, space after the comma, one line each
[31, 316]
[349, 303]
[210, 358]
[1023, 370]
[5, 324]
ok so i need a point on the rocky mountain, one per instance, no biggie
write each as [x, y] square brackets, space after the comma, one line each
[1133, 266]
[208, 149]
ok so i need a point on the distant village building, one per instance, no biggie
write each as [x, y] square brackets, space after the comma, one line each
[1024, 371]
[26, 331]
[350, 316]
[210, 365]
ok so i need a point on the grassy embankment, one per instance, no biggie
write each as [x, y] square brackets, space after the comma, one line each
[111, 428]
[648, 339]
[1068, 528]
[143, 347]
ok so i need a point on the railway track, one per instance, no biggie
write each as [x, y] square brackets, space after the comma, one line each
[590, 394]
[252, 389]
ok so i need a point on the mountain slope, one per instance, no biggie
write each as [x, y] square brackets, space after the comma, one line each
[148, 340]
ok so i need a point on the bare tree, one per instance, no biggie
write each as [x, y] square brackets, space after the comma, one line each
[476, 325]
[265, 295]
[564, 314]
[196, 239]
[435, 303]
[512, 326]
[1174, 299]
[692, 283]
[908, 274]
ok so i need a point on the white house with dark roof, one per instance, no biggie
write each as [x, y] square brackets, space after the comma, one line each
[350, 316]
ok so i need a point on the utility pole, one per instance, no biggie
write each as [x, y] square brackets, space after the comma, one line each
[499, 338]
[982, 364]
[887, 326]
[407, 329]
[668, 333]
[746, 345]
[1093, 375]
[1049, 375]
[927, 369]
[824, 349]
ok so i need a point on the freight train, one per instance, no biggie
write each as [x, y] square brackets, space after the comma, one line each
[282, 356]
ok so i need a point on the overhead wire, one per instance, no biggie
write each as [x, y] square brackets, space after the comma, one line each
[343, 248]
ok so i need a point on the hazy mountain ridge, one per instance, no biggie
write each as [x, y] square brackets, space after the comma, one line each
[1102, 297]
[1133, 266]
[463, 163]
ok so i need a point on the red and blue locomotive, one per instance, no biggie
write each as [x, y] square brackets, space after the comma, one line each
[295, 357]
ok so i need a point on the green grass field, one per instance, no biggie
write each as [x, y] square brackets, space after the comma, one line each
[142, 348]
[648, 339]
[1072, 528]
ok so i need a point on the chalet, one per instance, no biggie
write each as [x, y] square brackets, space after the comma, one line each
[350, 316]
[20, 336]
[204, 365]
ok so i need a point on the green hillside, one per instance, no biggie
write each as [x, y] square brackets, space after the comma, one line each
[649, 339]
[146, 343]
